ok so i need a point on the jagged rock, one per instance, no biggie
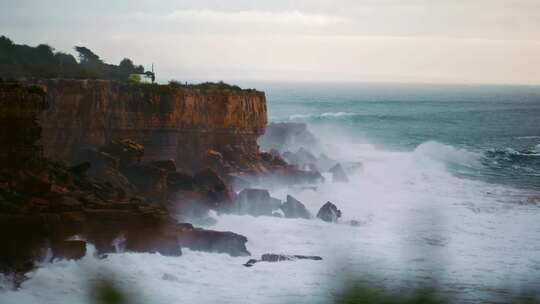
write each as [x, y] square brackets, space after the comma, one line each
[338, 174]
[273, 258]
[81, 168]
[212, 241]
[292, 208]
[179, 180]
[329, 213]
[149, 181]
[168, 165]
[99, 161]
[127, 151]
[256, 202]
[219, 194]
[69, 250]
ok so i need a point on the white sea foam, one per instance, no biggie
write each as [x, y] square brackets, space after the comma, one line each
[323, 115]
[419, 222]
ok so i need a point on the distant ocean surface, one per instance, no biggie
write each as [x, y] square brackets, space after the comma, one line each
[495, 128]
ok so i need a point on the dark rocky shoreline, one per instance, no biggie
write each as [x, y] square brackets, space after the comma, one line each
[115, 197]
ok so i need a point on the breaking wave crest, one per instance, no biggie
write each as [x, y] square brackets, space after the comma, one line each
[323, 115]
[448, 154]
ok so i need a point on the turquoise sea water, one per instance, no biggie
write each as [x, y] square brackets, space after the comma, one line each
[500, 125]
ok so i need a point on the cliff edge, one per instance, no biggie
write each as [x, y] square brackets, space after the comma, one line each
[190, 125]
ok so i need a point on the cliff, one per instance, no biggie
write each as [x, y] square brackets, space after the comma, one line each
[44, 204]
[192, 126]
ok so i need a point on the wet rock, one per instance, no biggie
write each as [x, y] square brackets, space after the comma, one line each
[329, 213]
[81, 168]
[273, 258]
[256, 202]
[128, 151]
[219, 195]
[99, 161]
[212, 241]
[69, 250]
[338, 174]
[292, 208]
[168, 165]
[179, 180]
[150, 181]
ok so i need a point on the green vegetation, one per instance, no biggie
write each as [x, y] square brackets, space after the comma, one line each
[210, 86]
[18, 60]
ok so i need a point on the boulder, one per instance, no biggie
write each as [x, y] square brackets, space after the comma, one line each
[256, 202]
[168, 165]
[329, 213]
[219, 195]
[292, 208]
[273, 258]
[127, 151]
[149, 181]
[212, 241]
[338, 174]
[179, 180]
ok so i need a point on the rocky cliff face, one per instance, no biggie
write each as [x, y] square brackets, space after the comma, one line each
[189, 125]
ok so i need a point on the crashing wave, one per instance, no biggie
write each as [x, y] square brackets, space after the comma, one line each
[447, 154]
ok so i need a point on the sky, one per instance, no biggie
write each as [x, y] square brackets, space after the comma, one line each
[434, 41]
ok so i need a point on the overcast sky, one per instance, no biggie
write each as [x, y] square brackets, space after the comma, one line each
[450, 41]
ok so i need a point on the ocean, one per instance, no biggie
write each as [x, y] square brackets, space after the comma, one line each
[446, 198]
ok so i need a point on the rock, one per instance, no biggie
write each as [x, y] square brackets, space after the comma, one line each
[128, 151]
[219, 195]
[69, 250]
[99, 161]
[338, 174]
[329, 213]
[168, 165]
[273, 258]
[256, 202]
[179, 180]
[150, 181]
[80, 169]
[212, 241]
[292, 208]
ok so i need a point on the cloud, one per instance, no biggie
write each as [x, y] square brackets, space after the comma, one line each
[255, 17]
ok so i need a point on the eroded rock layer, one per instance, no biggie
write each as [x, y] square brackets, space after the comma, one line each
[172, 122]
